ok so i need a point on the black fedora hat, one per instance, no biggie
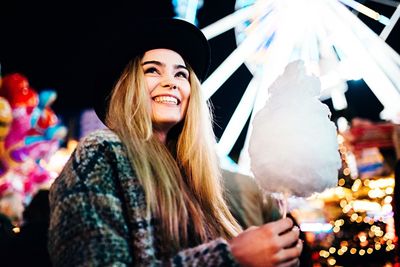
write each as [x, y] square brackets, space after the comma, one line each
[135, 38]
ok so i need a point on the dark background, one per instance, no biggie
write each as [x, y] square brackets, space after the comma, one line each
[48, 43]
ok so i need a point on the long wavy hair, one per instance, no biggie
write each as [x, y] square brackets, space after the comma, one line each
[181, 180]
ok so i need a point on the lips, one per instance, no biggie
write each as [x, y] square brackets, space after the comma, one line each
[167, 99]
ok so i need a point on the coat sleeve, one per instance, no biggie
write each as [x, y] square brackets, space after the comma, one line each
[88, 226]
[213, 253]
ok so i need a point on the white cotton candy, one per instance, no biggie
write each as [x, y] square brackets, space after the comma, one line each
[293, 146]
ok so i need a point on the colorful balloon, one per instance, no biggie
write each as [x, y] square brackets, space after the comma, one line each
[46, 98]
[29, 133]
[15, 88]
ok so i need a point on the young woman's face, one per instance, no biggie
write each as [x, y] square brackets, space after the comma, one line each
[167, 80]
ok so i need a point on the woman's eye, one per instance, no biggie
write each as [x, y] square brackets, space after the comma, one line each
[151, 70]
[182, 74]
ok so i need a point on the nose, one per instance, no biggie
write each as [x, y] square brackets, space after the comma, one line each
[168, 82]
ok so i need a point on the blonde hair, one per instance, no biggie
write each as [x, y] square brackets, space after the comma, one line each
[182, 184]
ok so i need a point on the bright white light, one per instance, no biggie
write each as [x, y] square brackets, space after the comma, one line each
[342, 124]
[330, 83]
[235, 59]
[381, 74]
[364, 205]
[187, 9]
[352, 164]
[389, 27]
[227, 22]
[381, 183]
[338, 98]
[366, 11]
[316, 227]
[348, 70]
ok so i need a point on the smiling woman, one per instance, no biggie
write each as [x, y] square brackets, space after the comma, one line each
[147, 191]
[167, 79]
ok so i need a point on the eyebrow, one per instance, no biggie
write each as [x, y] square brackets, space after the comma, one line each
[158, 63]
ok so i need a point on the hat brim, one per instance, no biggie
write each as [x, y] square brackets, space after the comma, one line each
[134, 39]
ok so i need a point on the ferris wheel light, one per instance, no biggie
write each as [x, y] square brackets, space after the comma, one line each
[234, 60]
[338, 98]
[227, 22]
[389, 27]
[366, 11]
[238, 119]
[384, 20]
[380, 73]
[342, 124]
[270, 34]
[191, 10]
[187, 9]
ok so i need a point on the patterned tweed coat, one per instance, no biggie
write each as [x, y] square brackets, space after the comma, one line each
[98, 214]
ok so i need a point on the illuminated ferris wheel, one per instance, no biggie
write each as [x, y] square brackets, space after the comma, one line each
[332, 41]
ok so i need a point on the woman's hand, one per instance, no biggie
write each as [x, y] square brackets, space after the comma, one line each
[272, 244]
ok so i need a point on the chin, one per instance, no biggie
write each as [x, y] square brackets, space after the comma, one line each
[166, 123]
[170, 122]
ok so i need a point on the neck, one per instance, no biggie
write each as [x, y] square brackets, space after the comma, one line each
[162, 136]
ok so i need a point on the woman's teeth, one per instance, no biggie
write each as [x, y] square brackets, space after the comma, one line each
[166, 100]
